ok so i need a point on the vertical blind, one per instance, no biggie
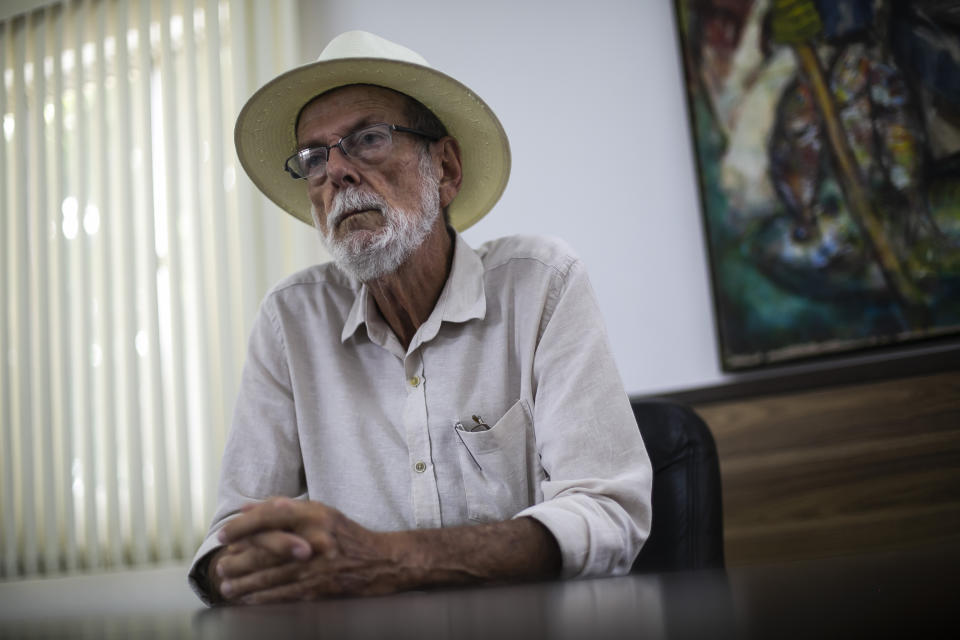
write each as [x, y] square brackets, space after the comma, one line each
[133, 255]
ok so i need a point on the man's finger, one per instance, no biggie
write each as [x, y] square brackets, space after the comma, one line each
[322, 543]
[276, 513]
[330, 580]
[283, 574]
[238, 546]
[262, 551]
[284, 593]
[250, 561]
[282, 543]
[312, 522]
[253, 559]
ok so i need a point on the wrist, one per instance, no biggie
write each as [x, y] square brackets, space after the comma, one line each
[409, 556]
[434, 557]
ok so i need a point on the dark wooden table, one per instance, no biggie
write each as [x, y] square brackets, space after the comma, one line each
[898, 595]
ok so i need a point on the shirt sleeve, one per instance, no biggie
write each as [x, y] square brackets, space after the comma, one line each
[262, 456]
[596, 494]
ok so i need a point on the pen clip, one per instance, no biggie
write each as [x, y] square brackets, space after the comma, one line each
[457, 428]
[480, 424]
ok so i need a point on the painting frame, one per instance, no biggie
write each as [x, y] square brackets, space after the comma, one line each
[832, 220]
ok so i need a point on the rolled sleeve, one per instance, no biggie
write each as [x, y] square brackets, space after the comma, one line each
[596, 494]
[262, 457]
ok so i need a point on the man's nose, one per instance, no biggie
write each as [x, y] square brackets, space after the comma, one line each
[340, 168]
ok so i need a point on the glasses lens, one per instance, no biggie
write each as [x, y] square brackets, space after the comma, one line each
[307, 163]
[370, 145]
[313, 161]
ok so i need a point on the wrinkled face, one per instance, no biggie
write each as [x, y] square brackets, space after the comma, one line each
[371, 218]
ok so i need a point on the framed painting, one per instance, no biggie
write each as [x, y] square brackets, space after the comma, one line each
[827, 142]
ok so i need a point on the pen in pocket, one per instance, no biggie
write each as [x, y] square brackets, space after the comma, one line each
[479, 425]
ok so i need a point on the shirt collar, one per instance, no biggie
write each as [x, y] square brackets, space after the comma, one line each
[462, 299]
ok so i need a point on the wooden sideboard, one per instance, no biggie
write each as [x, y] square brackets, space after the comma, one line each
[844, 469]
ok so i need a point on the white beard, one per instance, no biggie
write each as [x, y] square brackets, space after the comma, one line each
[367, 258]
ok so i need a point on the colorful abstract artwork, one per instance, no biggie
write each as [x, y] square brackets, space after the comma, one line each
[827, 140]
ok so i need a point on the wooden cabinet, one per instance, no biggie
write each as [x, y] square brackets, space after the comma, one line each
[847, 469]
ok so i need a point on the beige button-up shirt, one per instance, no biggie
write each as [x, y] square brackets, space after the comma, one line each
[507, 403]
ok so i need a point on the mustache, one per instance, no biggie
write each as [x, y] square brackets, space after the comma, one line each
[351, 201]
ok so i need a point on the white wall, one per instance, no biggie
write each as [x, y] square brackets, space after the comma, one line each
[591, 96]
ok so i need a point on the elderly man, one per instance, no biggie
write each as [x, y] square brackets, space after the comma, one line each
[418, 412]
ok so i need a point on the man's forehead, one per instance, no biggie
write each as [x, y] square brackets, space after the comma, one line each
[352, 105]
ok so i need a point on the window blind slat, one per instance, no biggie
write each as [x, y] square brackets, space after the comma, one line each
[147, 269]
[215, 219]
[84, 389]
[181, 477]
[126, 275]
[8, 567]
[198, 338]
[62, 361]
[22, 342]
[106, 377]
[45, 476]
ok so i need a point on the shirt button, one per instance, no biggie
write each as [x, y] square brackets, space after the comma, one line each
[414, 381]
[420, 467]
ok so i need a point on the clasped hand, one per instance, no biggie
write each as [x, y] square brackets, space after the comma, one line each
[285, 549]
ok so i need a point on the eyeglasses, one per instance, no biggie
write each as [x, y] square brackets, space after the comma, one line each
[370, 145]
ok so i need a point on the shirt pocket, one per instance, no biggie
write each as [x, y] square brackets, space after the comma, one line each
[496, 466]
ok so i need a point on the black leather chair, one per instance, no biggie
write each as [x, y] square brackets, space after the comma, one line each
[687, 530]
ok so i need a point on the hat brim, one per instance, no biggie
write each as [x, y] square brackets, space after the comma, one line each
[264, 134]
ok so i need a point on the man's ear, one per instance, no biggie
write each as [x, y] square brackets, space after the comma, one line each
[446, 153]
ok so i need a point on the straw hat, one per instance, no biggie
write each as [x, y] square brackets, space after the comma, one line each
[265, 134]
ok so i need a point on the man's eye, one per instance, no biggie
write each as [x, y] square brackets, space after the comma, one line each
[370, 139]
[312, 160]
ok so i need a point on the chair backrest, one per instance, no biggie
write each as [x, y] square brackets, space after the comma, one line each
[687, 530]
